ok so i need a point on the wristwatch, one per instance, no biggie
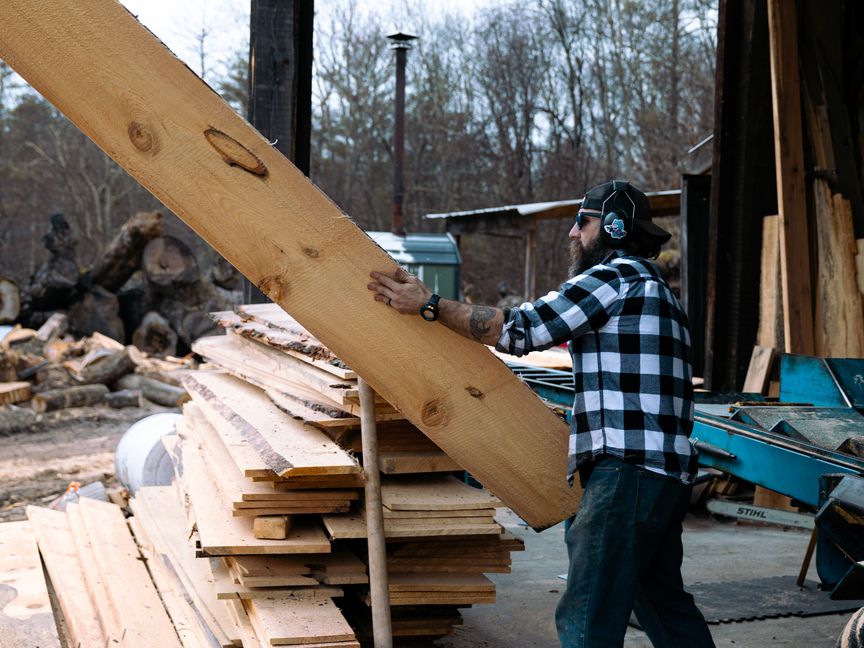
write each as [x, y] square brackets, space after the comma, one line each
[429, 310]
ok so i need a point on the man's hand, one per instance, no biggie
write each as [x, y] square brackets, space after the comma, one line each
[402, 291]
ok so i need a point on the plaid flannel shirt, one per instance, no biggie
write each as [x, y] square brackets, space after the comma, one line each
[628, 337]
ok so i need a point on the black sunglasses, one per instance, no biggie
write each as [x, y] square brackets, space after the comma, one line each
[581, 216]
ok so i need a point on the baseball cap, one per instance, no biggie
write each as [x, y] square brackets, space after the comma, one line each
[620, 194]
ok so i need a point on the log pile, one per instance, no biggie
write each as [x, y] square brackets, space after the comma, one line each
[47, 370]
[145, 288]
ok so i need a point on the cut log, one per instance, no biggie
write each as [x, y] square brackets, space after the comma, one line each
[168, 263]
[123, 256]
[101, 366]
[10, 301]
[55, 327]
[124, 398]
[97, 311]
[155, 335]
[163, 393]
[189, 147]
[14, 392]
[80, 396]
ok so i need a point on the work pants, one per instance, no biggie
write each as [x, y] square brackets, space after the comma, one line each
[625, 555]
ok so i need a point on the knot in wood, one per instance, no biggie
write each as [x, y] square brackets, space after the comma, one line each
[234, 153]
[476, 393]
[434, 413]
[141, 137]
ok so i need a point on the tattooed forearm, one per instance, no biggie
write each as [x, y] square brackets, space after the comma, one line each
[481, 316]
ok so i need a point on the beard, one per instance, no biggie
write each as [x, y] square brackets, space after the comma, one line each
[583, 257]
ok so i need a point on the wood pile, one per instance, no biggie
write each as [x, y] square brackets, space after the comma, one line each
[47, 369]
[145, 288]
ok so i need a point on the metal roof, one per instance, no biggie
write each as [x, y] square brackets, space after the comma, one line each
[429, 249]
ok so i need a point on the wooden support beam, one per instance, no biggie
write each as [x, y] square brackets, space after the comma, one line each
[789, 157]
[181, 141]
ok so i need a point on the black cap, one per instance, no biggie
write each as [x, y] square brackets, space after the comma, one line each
[620, 194]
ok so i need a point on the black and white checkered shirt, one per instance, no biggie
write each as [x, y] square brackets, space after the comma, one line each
[628, 336]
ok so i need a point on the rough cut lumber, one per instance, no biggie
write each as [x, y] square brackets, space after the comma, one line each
[790, 168]
[79, 396]
[143, 619]
[770, 287]
[443, 493]
[287, 446]
[299, 622]
[839, 307]
[271, 527]
[123, 255]
[759, 371]
[161, 515]
[350, 527]
[14, 392]
[188, 622]
[26, 618]
[67, 577]
[170, 131]
[430, 461]
[227, 587]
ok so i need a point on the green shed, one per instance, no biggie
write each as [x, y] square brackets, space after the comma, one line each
[434, 258]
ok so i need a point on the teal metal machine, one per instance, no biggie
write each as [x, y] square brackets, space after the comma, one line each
[802, 450]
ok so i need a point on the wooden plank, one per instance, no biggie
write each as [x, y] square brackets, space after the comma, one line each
[439, 493]
[759, 370]
[440, 583]
[185, 617]
[790, 169]
[839, 307]
[162, 516]
[222, 534]
[142, 616]
[413, 515]
[424, 461]
[287, 446]
[14, 392]
[271, 527]
[286, 342]
[347, 527]
[26, 618]
[170, 131]
[770, 332]
[227, 588]
[67, 577]
[298, 622]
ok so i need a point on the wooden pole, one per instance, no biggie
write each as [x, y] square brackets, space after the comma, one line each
[789, 157]
[531, 262]
[378, 585]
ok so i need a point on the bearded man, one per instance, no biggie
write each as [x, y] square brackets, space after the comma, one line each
[631, 418]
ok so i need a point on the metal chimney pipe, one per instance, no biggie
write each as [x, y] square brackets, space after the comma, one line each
[401, 43]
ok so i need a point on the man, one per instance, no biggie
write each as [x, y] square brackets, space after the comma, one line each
[632, 417]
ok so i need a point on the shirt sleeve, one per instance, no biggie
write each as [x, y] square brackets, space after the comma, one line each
[582, 304]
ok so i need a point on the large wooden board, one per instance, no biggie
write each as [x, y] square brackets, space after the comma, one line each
[25, 611]
[171, 132]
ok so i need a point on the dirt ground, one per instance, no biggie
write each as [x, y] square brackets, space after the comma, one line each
[68, 445]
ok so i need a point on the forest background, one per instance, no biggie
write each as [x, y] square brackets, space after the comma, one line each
[522, 102]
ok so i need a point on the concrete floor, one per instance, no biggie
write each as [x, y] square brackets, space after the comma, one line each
[713, 552]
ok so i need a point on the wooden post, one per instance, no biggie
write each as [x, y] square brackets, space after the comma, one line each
[531, 262]
[789, 157]
[378, 584]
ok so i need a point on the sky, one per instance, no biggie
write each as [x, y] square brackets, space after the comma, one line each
[179, 23]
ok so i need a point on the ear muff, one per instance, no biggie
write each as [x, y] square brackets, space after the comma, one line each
[617, 222]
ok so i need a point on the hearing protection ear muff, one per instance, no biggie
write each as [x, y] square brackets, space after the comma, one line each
[616, 224]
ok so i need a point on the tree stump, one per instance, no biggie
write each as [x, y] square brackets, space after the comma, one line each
[168, 264]
[155, 336]
[124, 254]
[98, 311]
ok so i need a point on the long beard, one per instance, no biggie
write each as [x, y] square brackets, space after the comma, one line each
[583, 257]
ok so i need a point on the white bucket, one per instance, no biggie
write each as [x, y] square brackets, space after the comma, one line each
[141, 459]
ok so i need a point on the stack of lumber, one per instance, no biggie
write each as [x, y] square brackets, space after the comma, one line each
[265, 525]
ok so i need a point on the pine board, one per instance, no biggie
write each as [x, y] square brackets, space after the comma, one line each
[161, 515]
[298, 622]
[227, 588]
[347, 527]
[443, 493]
[26, 618]
[67, 577]
[288, 447]
[143, 619]
[171, 132]
[222, 534]
[399, 582]
[407, 463]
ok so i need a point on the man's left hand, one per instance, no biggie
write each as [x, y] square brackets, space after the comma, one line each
[401, 291]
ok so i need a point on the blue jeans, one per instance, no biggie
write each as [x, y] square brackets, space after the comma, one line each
[625, 555]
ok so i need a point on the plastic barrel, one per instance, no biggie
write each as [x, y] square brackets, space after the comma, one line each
[141, 459]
